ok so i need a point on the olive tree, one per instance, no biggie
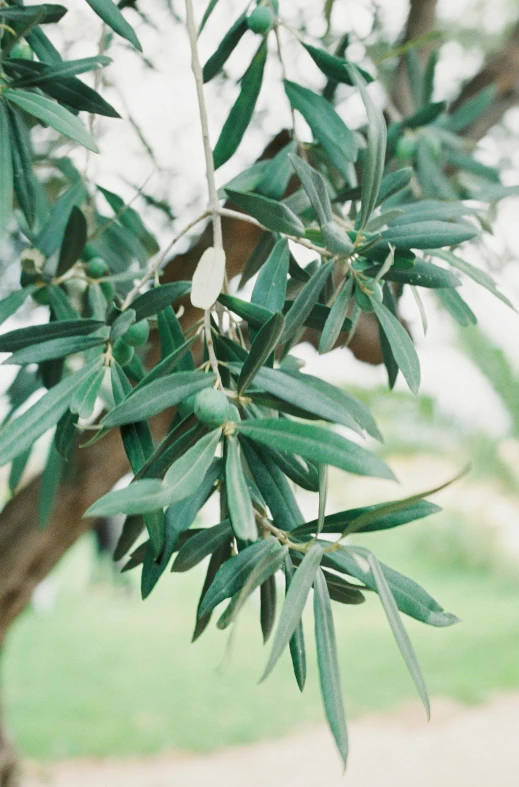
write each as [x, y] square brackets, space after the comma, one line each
[175, 372]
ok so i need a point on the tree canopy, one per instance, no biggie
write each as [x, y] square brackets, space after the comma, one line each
[346, 212]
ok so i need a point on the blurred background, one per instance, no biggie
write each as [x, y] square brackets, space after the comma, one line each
[90, 671]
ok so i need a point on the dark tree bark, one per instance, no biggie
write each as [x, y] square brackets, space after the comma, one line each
[421, 20]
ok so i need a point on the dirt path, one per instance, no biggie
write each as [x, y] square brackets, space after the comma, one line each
[461, 747]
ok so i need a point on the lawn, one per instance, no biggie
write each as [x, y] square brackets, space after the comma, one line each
[103, 673]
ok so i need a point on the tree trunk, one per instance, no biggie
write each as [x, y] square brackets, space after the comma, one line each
[9, 770]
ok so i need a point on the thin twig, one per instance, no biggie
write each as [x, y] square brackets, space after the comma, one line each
[214, 202]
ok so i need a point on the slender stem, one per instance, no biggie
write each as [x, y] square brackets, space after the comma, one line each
[234, 214]
[214, 202]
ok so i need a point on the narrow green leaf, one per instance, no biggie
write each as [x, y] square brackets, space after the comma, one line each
[158, 396]
[144, 494]
[476, 274]
[66, 434]
[6, 168]
[34, 334]
[401, 344]
[187, 473]
[241, 113]
[274, 215]
[335, 320]
[50, 483]
[428, 235]
[18, 466]
[465, 115]
[24, 181]
[333, 67]
[315, 186]
[178, 518]
[316, 443]
[411, 599]
[273, 486]
[54, 115]
[268, 604]
[217, 560]
[157, 299]
[85, 397]
[172, 338]
[50, 238]
[233, 574]
[74, 241]
[457, 307]
[368, 519]
[202, 545]
[50, 13]
[399, 632]
[19, 434]
[297, 640]
[261, 573]
[422, 274]
[254, 314]
[68, 68]
[266, 341]
[295, 391]
[375, 153]
[327, 660]
[306, 300]
[121, 324]
[12, 302]
[207, 13]
[132, 529]
[54, 348]
[225, 48]
[111, 15]
[294, 605]
[327, 127]
[238, 496]
[271, 284]
[168, 364]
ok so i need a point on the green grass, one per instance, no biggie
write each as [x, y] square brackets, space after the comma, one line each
[106, 674]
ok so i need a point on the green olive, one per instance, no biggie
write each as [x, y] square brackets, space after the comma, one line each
[211, 407]
[22, 51]
[261, 20]
[122, 352]
[97, 268]
[137, 334]
[406, 147]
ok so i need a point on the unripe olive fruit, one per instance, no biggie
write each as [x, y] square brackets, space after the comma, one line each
[108, 289]
[406, 147]
[336, 239]
[97, 268]
[211, 407]
[261, 20]
[22, 51]
[122, 352]
[137, 334]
